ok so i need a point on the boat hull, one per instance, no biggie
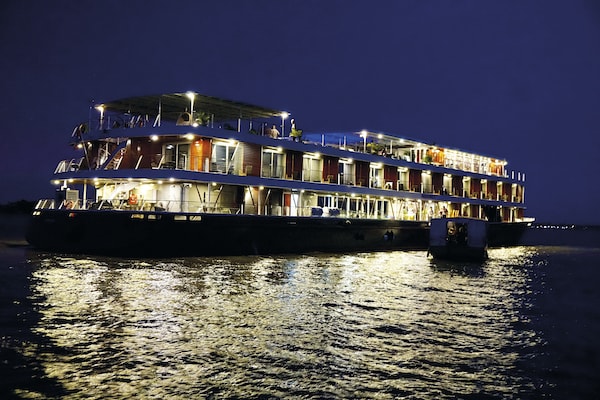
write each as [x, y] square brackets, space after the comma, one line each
[166, 234]
[505, 234]
[152, 234]
[459, 253]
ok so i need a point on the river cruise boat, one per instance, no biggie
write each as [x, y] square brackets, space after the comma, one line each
[189, 174]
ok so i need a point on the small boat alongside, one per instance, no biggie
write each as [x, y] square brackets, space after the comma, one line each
[190, 174]
[458, 239]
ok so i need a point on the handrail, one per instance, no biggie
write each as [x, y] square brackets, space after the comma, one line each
[458, 159]
[68, 165]
[365, 210]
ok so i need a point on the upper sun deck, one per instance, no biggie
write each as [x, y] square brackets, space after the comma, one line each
[170, 107]
[192, 110]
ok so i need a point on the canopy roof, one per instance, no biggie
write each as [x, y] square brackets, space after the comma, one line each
[172, 105]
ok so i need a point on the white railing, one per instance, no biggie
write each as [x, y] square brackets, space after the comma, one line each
[68, 165]
[44, 204]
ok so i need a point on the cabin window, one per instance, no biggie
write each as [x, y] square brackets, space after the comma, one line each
[169, 156]
[176, 156]
[222, 159]
[183, 155]
[311, 168]
[376, 176]
[402, 179]
[272, 164]
[346, 170]
[426, 182]
[447, 184]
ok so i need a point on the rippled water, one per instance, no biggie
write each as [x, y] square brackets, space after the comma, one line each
[372, 325]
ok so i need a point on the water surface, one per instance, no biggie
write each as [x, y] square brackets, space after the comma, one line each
[522, 325]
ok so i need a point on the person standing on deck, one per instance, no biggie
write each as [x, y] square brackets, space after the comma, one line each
[295, 134]
[273, 132]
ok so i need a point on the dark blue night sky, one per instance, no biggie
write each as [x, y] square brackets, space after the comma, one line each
[514, 79]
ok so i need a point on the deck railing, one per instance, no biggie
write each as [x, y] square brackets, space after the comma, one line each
[358, 210]
[346, 208]
[68, 165]
[455, 160]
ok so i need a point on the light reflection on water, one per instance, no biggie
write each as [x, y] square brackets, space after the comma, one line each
[377, 325]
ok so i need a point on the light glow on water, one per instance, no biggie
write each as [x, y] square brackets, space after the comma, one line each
[372, 325]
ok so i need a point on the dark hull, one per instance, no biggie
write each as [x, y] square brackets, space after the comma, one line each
[459, 253]
[165, 234]
[151, 234]
[504, 234]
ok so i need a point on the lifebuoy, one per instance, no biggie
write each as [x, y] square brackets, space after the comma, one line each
[132, 199]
